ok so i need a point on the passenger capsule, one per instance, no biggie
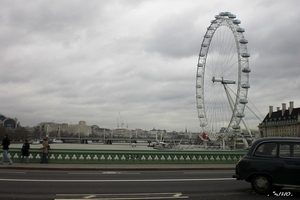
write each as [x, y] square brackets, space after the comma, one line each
[236, 127]
[232, 16]
[243, 41]
[236, 21]
[240, 115]
[245, 55]
[240, 30]
[199, 106]
[243, 101]
[202, 54]
[246, 70]
[245, 86]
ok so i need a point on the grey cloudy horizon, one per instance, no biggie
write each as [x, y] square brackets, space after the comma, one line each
[68, 61]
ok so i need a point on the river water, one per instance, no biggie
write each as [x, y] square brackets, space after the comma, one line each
[100, 146]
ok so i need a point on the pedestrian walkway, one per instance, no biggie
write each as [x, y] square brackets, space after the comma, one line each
[116, 167]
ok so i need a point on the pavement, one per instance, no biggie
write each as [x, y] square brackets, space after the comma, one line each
[115, 167]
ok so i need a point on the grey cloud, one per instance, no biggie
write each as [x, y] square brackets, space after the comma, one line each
[174, 36]
[69, 61]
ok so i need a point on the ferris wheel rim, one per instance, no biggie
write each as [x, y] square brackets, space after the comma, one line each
[224, 19]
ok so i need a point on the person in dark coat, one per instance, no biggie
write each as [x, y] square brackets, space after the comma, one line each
[5, 144]
[25, 151]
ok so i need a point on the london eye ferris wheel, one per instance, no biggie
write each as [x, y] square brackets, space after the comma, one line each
[222, 79]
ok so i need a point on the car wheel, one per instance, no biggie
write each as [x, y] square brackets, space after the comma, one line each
[261, 184]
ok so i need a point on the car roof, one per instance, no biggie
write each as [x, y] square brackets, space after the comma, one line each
[278, 139]
[272, 139]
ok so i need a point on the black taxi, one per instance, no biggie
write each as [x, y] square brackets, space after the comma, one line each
[270, 164]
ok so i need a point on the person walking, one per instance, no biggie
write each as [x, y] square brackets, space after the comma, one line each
[5, 144]
[25, 151]
[45, 151]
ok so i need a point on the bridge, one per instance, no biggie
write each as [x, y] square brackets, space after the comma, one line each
[100, 156]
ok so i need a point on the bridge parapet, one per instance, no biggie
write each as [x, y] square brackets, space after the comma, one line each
[68, 156]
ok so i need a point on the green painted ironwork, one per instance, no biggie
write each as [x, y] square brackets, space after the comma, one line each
[131, 156]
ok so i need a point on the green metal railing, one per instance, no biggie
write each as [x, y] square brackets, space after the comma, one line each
[131, 156]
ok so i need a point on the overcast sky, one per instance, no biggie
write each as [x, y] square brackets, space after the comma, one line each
[135, 61]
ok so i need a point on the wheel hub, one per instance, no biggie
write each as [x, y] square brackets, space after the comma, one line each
[223, 81]
[261, 183]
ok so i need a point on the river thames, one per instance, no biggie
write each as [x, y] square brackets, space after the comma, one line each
[100, 146]
[114, 146]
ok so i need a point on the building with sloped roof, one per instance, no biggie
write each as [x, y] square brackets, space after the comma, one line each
[7, 122]
[284, 122]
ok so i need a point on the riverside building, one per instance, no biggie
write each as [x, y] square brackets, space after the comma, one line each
[284, 122]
